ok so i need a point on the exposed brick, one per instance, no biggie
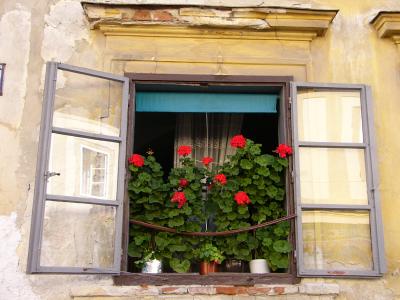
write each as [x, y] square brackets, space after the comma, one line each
[162, 15]
[203, 290]
[142, 15]
[174, 290]
[226, 290]
[258, 291]
[279, 290]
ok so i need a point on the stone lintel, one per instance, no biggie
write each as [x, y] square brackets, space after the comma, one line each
[259, 23]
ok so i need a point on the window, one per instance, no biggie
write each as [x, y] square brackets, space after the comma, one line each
[94, 173]
[336, 181]
[334, 172]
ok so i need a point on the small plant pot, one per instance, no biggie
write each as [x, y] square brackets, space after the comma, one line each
[235, 266]
[258, 266]
[153, 266]
[208, 267]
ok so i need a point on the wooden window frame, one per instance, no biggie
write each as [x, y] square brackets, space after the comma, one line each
[281, 82]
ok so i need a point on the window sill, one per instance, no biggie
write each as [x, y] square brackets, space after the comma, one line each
[243, 279]
[183, 291]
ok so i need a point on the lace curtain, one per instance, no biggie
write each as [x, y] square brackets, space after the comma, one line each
[208, 134]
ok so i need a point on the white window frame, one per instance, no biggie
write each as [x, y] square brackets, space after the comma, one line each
[106, 173]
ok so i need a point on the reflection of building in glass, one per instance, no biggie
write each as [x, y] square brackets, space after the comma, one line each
[94, 172]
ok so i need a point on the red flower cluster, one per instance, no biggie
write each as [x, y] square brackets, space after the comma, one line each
[207, 160]
[238, 141]
[183, 182]
[180, 198]
[283, 150]
[221, 178]
[241, 198]
[136, 160]
[184, 150]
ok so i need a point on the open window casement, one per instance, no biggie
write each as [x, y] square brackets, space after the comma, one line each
[339, 230]
[77, 226]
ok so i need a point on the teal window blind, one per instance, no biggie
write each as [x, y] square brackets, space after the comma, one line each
[205, 102]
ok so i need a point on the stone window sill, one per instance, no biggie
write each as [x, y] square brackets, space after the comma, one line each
[294, 291]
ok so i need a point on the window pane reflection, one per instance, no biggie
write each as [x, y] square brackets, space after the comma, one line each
[87, 167]
[78, 235]
[87, 104]
[332, 176]
[329, 116]
[336, 240]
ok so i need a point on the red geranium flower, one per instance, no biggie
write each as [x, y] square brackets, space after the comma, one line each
[184, 150]
[238, 141]
[221, 178]
[207, 160]
[241, 198]
[180, 198]
[183, 182]
[283, 150]
[136, 160]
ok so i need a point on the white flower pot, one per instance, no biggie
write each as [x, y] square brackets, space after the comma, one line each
[259, 266]
[152, 266]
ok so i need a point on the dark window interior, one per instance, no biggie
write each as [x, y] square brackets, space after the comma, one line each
[156, 131]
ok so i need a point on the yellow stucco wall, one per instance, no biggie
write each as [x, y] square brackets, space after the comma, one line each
[350, 52]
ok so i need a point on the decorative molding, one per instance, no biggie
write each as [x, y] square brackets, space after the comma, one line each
[387, 23]
[231, 23]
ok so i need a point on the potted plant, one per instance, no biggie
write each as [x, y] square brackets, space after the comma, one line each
[249, 190]
[210, 257]
[149, 263]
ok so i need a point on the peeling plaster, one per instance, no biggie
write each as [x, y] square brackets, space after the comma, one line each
[62, 31]
[15, 28]
[14, 284]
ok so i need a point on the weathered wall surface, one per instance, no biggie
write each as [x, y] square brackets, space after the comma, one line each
[33, 32]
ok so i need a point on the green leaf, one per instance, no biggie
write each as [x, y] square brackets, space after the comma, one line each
[264, 160]
[263, 171]
[175, 222]
[246, 164]
[133, 250]
[282, 246]
[242, 210]
[180, 266]
[162, 240]
[272, 191]
[140, 239]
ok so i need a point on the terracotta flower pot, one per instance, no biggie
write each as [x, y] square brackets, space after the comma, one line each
[208, 267]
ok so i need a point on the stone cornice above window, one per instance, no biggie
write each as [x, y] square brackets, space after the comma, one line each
[387, 23]
[258, 23]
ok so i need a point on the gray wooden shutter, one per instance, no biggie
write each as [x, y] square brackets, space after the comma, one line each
[339, 230]
[72, 231]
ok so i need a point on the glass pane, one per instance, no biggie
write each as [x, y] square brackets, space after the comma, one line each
[87, 167]
[78, 235]
[337, 240]
[332, 176]
[329, 116]
[87, 103]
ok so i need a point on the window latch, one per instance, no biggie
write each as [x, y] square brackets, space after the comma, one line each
[51, 174]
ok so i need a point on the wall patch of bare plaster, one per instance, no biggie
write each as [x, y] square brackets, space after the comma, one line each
[65, 25]
[14, 284]
[15, 29]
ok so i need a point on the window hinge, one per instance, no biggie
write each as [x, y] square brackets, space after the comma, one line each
[292, 176]
[290, 103]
